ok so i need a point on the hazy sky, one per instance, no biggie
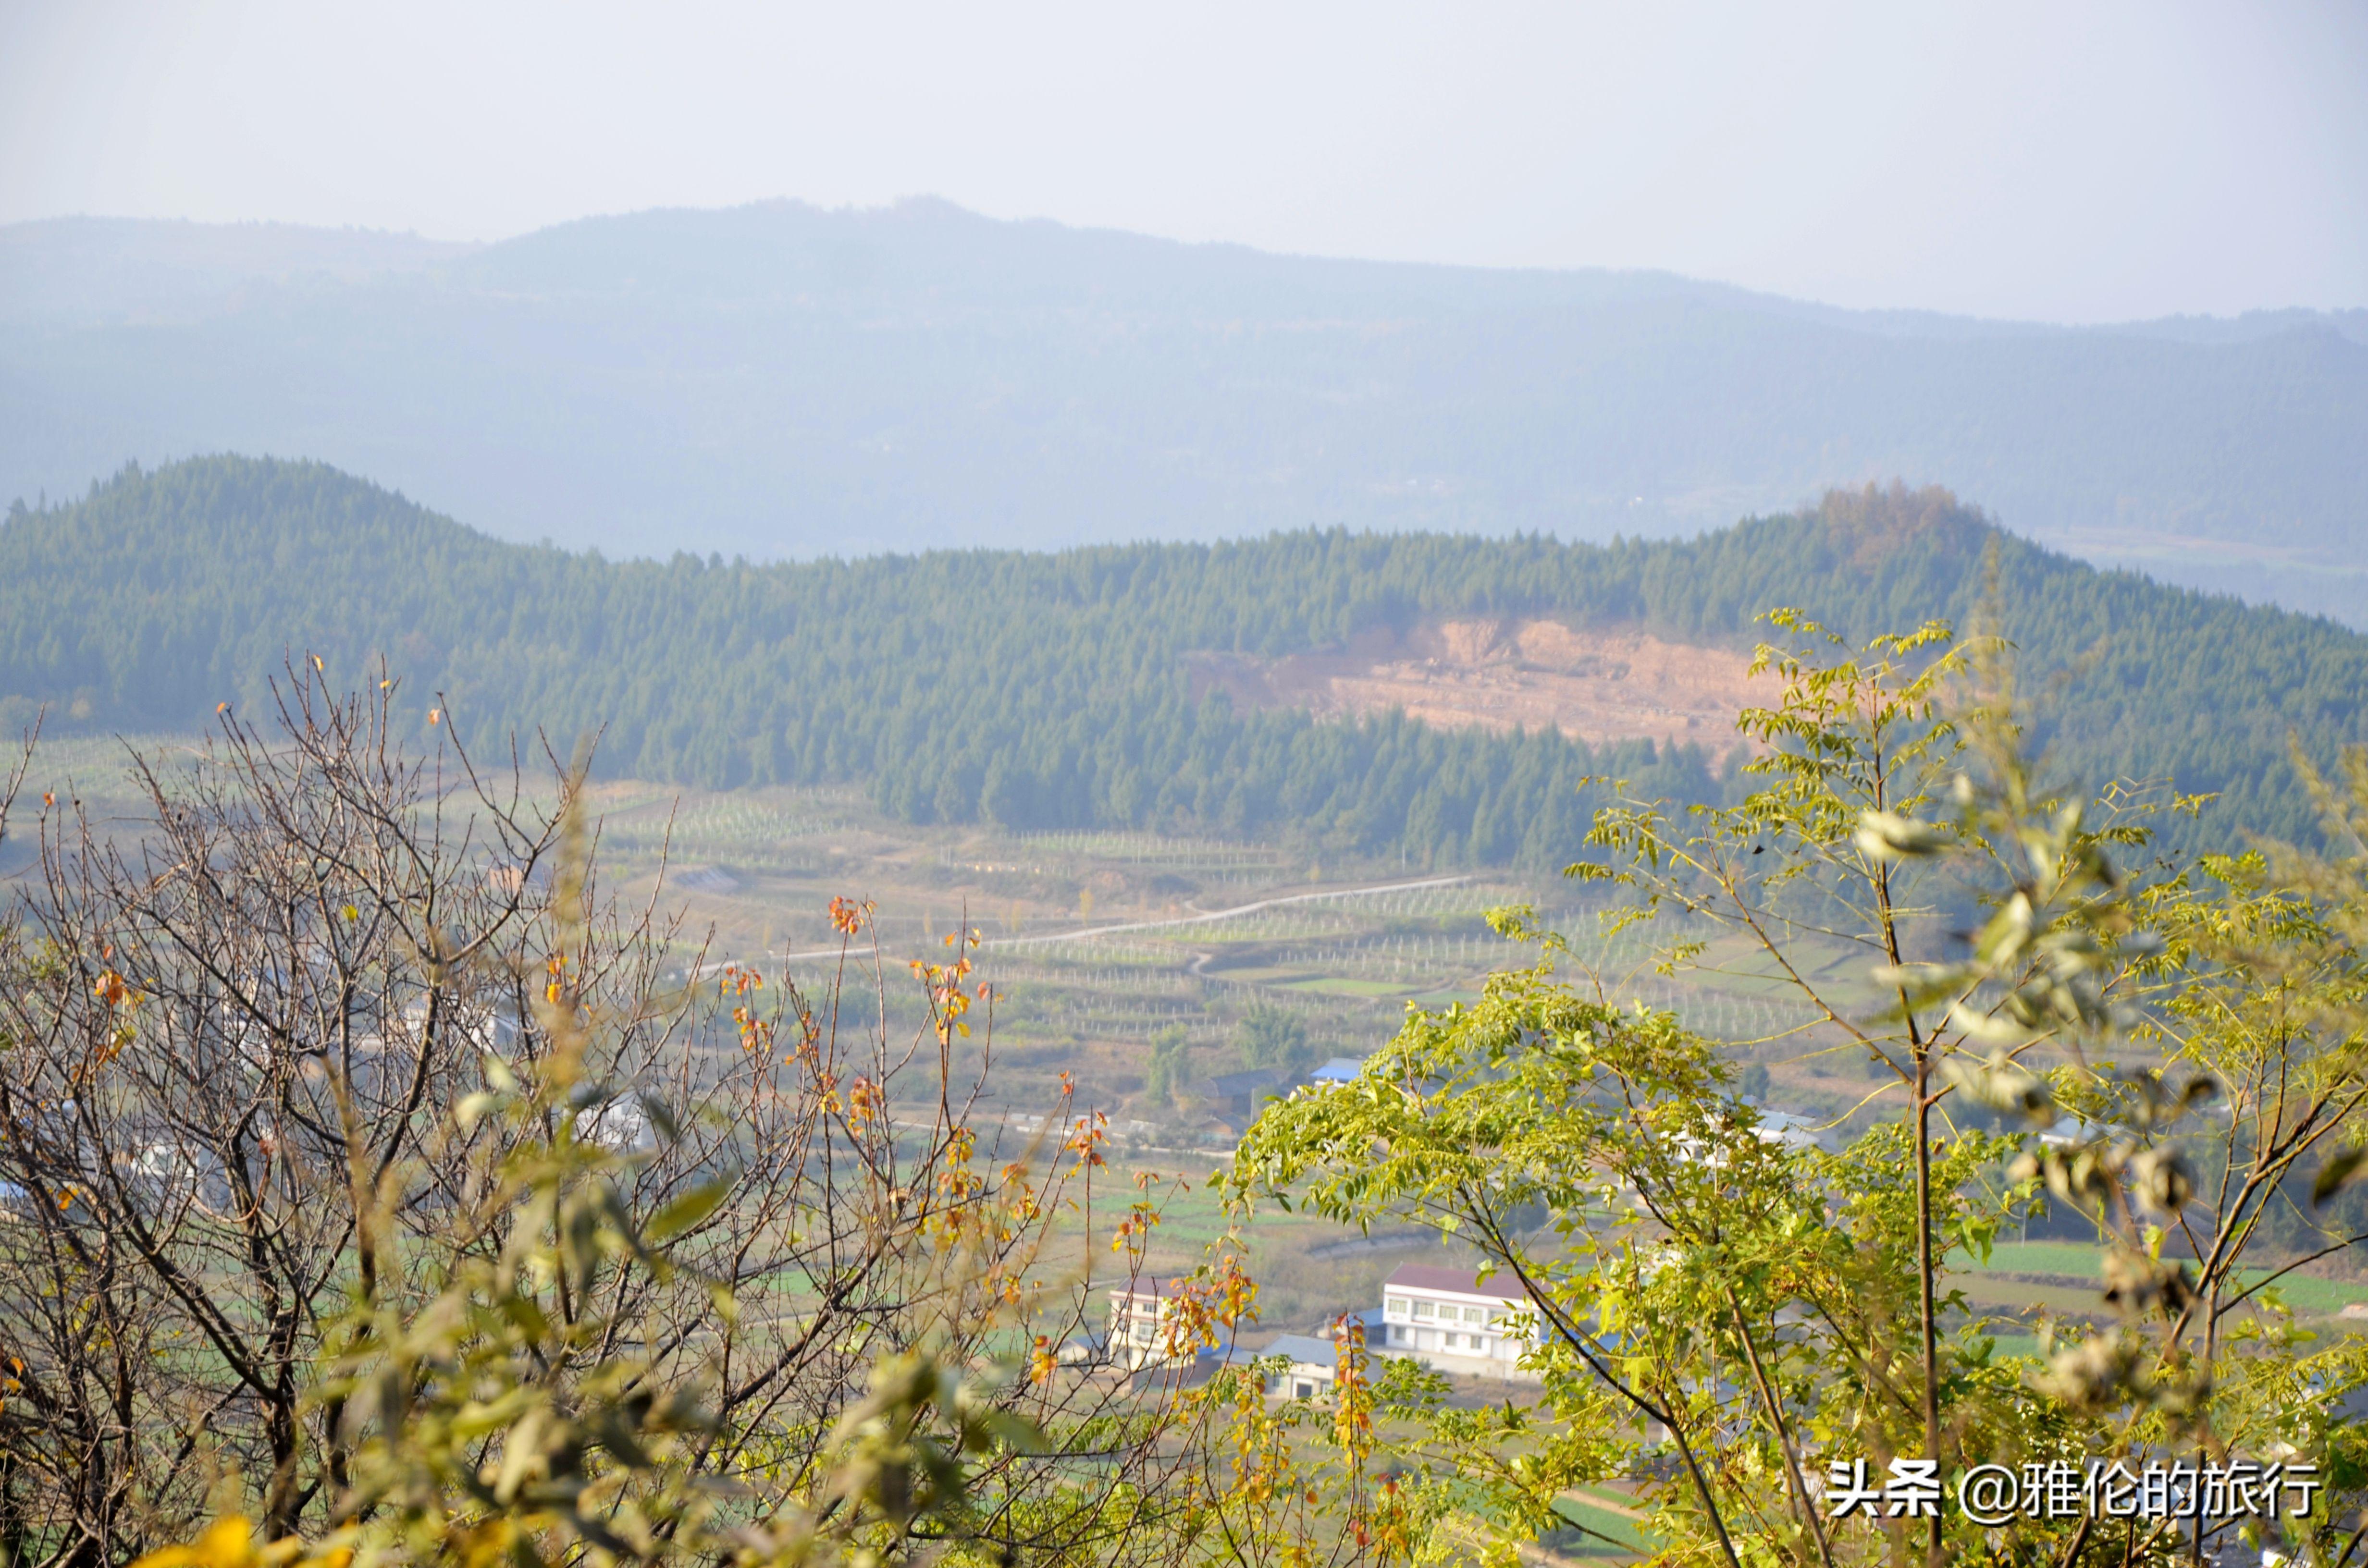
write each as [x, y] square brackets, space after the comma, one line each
[2062, 162]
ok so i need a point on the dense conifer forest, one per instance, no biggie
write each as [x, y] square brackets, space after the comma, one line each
[1051, 690]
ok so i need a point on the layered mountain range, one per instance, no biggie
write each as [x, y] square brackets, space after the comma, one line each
[778, 382]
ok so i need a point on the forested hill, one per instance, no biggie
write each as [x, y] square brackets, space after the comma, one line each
[1049, 689]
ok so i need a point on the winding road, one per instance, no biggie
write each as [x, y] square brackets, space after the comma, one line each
[1088, 933]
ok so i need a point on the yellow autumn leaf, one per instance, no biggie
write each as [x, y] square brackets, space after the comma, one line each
[226, 1543]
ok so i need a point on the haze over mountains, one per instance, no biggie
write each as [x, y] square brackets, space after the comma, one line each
[778, 382]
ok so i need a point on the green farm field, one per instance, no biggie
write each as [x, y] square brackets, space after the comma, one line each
[1096, 942]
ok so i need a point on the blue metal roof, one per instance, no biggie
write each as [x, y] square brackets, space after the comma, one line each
[1305, 1348]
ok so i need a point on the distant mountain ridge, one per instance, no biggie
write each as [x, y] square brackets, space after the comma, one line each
[97, 267]
[777, 380]
[91, 271]
[1070, 689]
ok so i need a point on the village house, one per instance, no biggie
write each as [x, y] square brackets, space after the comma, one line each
[1144, 1326]
[1452, 1322]
[1313, 1365]
[1239, 1096]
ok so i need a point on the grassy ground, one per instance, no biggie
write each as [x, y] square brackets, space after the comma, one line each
[2067, 1276]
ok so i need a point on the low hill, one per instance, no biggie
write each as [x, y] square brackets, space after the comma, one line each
[1168, 686]
[780, 381]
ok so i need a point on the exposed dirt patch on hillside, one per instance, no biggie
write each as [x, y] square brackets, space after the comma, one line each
[1595, 686]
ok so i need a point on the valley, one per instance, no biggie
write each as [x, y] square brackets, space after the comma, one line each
[1604, 805]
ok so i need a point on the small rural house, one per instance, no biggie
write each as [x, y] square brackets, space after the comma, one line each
[1452, 1322]
[1314, 1363]
[1241, 1096]
[1141, 1318]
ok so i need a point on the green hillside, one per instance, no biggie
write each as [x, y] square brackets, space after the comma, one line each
[1051, 690]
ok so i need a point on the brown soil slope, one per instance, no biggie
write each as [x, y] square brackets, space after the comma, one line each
[1595, 686]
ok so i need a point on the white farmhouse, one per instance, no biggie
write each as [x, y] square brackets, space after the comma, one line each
[1146, 1324]
[1452, 1322]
